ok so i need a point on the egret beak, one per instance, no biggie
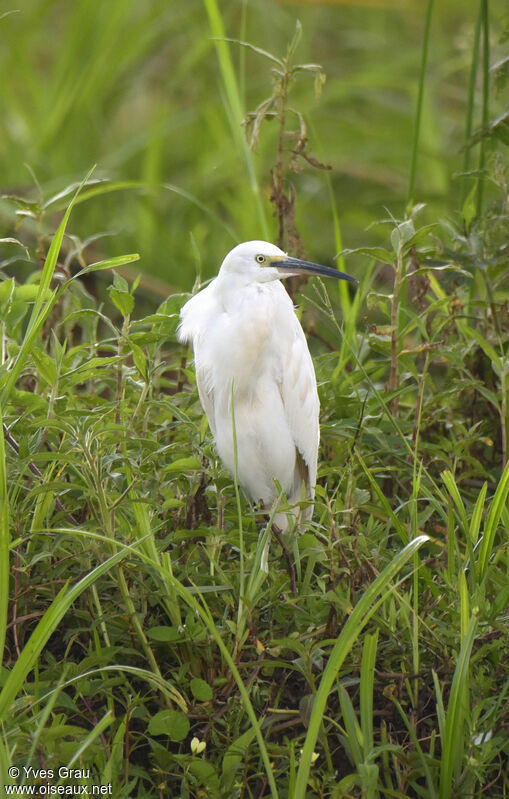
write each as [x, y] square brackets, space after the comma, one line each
[294, 266]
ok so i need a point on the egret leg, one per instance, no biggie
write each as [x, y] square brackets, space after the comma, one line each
[286, 554]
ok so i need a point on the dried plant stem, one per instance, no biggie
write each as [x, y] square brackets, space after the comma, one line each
[278, 193]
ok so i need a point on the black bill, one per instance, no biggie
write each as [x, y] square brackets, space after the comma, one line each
[297, 267]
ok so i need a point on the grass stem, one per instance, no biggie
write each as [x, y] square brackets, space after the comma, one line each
[484, 11]
[420, 98]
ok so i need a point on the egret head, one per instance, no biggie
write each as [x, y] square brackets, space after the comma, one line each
[260, 262]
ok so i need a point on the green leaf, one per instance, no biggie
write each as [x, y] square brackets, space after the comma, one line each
[172, 502]
[16, 311]
[27, 399]
[470, 207]
[201, 690]
[257, 50]
[93, 366]
[488, 350]
[190, 464]
[402, 233]
[29, 291]
[205, 772]
[173, 305]
[164, 634]
[171, 723]
[27, 205]
[320, 81]
[7, 289]
[139, 359]
[45, 366]
[120, 283]
[234, 759]
[122, 301]
[379, 253]
[297, 36]
[419, 235]
[111, 263]
[307, 68]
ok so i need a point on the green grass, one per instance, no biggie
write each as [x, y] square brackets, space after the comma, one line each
[137, 612]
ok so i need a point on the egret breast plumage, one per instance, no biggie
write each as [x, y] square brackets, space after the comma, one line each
[249, 347]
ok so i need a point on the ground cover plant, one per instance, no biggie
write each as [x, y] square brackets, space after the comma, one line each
[144, 642]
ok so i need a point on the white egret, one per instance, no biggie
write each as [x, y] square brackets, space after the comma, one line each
[249, 345]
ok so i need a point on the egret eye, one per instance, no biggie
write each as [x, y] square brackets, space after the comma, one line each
[260, 259]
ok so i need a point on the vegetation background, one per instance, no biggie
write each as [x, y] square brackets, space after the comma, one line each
[141, 637]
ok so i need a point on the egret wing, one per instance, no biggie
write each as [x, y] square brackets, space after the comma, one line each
[206, 394]
[196, 318]
[300, 399]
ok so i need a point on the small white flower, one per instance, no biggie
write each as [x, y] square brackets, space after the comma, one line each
[197, 746]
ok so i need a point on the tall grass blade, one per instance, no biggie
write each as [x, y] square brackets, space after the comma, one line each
[384, 501]
[43, 298]
[96, 730]
[5, 762]
[201, 609]
[420, 97]
[352, 727]
[344, 294]
[452, 734]
[46, 627]
[158, 683]
[464, 604]
[364, 609]
[476, 518]
[235, 107]
[440, 708]
[5, 542]
[45, 714]
[366, 690]
[423, 759]
[454, 492]
[498, 503]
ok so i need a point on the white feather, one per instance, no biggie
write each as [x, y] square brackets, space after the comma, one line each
[249, 344]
